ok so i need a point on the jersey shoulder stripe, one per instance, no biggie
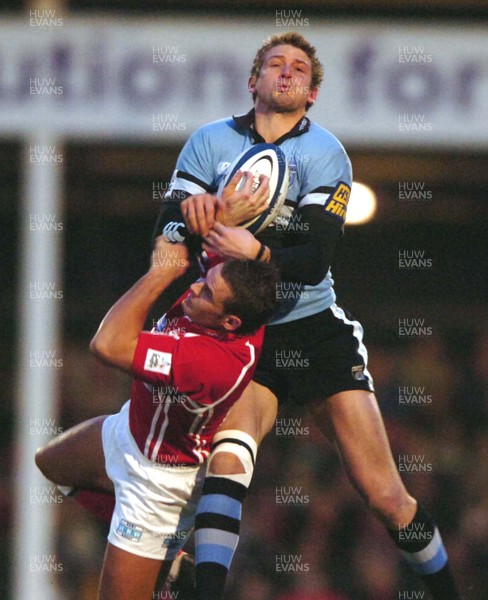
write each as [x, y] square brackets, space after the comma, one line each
[191, 178]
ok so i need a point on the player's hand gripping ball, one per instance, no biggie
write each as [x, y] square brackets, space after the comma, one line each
[261, 159]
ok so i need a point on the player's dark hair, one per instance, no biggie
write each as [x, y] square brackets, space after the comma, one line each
[291, 38]
[254, 285]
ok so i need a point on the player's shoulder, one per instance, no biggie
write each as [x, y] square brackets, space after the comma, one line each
[213, 361]
[220, 353]
[319, 135]
[215, 347]
[221, 126]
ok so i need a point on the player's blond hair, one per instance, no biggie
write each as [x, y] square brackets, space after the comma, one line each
[291, 38]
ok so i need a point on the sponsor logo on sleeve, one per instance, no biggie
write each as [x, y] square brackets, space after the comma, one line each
[158, 362]
[336, 205]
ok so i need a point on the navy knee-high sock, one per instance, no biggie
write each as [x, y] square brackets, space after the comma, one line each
[421, 545]
[218, 517]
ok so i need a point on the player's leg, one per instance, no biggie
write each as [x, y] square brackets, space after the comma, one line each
[76, 458]
[229, 474]
[126, 576]
[354, 419]
[75, 461]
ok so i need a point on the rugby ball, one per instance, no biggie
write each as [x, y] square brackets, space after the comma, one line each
[261, 159]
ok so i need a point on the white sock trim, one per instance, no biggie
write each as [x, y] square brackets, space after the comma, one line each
[241, 452]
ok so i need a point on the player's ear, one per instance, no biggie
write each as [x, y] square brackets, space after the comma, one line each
[314, 92]
[231, 322]
[251, 84]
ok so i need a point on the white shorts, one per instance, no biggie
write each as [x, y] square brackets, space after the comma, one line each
[155, 504]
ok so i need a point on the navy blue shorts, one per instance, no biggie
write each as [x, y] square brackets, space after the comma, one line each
[314, 358]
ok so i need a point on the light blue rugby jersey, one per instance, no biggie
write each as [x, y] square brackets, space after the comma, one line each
[320, 173]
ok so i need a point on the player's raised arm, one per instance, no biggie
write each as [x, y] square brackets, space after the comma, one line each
[116, 339]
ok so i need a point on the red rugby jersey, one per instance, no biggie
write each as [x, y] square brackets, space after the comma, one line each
[186, 378]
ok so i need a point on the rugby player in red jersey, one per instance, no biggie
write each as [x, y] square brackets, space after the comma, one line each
[187, 373]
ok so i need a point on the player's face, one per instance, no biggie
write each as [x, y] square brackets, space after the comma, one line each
[285, 81]
[205, 303]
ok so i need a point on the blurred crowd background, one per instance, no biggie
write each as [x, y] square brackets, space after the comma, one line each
[337, 550]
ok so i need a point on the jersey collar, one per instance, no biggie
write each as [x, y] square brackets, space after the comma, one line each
[247, 122]
[198, 329]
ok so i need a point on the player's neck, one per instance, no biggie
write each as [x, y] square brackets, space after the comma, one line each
[272, 125]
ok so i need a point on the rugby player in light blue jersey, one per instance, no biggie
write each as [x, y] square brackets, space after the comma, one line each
[334, 382]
